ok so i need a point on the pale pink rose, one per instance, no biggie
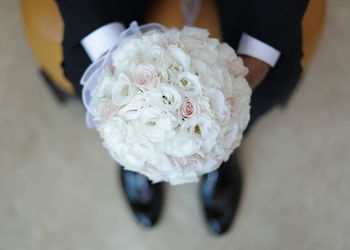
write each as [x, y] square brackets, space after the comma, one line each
[111, 68]
[236, 68]
[188, 162]
[173, 43]
[107, 109]
[189, 108]
[232, 103]
[145, 76]
[233, 107]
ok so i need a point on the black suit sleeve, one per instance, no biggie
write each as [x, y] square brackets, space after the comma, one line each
[80, 18]
[275, 22]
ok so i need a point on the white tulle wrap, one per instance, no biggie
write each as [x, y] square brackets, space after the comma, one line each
[170, 104]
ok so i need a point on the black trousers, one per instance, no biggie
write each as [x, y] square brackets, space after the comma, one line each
[276, 88]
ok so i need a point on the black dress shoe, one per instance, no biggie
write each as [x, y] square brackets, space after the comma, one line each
[220, 193]
[144, 198]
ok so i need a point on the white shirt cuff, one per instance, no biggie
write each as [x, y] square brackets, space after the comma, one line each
[101, 40]
[251, 46]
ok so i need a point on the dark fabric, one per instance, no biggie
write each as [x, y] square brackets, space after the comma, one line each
[279, 84]
[80, 18]
[275, 22]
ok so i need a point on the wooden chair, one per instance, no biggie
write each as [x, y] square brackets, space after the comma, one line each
[44, 30]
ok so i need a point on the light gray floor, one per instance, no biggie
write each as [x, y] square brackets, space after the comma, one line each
[58, 187]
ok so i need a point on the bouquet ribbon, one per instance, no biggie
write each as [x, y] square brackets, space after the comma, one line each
[92, 74]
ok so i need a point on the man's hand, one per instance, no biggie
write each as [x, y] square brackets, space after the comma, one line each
[257, 70]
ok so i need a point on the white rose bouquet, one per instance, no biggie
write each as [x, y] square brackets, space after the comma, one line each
[170, 104]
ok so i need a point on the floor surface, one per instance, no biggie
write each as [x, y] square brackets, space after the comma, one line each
[59, 188]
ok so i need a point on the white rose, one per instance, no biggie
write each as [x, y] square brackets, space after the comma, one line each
[195, 33]
[113, 132]
[133, 109]
[204, 103]
[156, 125]
[140, 149]
[218, 105]
[228, 84]
[123, 90]
[158, 168]
[204, 128]
[204, 73]
[182, 144]
[180, 57]
[165, 97]
[154, 55]
[105, 86]
[171, 72]
[228, 135]
[125, 56]
[227, 53]
[236, 67]
[194, 38]
[210, 54]
[189, 84]
[157, 37]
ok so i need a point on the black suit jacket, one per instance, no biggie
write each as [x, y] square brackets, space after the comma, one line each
[275, 22]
